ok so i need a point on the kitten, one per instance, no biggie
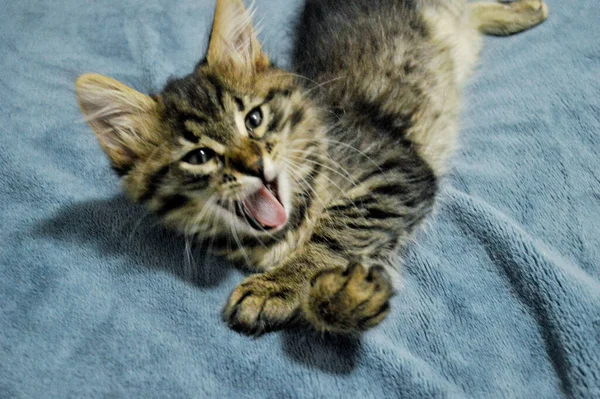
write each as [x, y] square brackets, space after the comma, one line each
[319, 178]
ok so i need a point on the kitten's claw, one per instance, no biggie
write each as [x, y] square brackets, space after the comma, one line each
[348, 300]
[260, 304]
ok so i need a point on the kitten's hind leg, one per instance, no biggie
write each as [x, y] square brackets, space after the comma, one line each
[505, 19]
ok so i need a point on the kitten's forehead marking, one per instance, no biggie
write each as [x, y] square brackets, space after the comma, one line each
[272, 114]
[201, 139]
[240, 123]
[231, 108]
[213, 144]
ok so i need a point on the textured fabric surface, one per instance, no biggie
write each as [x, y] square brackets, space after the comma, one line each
[501, 291]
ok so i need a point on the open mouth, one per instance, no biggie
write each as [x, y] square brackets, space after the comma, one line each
[263, 209]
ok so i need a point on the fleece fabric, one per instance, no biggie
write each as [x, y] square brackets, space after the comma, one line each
[501, 291]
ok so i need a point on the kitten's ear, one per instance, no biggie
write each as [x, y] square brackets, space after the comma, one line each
[233, 40]
[123, 119]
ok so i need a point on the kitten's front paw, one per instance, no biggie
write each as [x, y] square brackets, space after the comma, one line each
[348, 300]
[261, 304]
[535, 10]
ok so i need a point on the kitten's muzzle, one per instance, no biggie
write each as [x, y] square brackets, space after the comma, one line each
[248, 159]
[249, 208]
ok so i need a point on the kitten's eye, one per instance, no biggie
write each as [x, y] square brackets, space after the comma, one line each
[199, 156]
[254, 119]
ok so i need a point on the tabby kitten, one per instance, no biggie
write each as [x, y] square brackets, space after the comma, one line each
[316, 179]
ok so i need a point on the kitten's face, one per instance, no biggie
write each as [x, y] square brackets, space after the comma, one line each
[235, 149]
[228, 148]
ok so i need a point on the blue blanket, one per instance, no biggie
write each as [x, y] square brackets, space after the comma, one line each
[501, 291]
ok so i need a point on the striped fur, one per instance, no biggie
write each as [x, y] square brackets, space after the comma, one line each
[357, 140]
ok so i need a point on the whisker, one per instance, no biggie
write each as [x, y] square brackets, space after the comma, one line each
[406, 179]
[355, 149]
[349, 146]
[321, 85]
[306, 185]
[299, 76]
[346, 175]
[189, 264]
[192, 228]
[300, 180]
[324, 175]
[239, 243]
[213, 235]
[137, 226]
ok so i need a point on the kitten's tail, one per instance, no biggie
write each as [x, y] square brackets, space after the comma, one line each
[500, 19]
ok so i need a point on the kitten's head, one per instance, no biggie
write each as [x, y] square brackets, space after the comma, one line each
[226, 147]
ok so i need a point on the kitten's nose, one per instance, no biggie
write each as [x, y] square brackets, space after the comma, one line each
[248, 160]
[255, 168]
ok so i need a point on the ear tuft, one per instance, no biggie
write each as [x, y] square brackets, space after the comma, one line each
[233, 40]
[123, 119]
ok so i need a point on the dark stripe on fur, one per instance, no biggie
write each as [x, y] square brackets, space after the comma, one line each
[239, 103]
[377, 213]
[154, 182]
[172, 203]
[277, 92]
[121, 171]
[382, 120]
[297, 117]
[297, 217]
[189, 136]
[184, 117]
[391, 189]
[218, 90]
[271, 95]
[196, 182]
[328, 241]
[275, 123]
[353, 203]
[387, 166]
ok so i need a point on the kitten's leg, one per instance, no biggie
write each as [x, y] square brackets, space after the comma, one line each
[505, 19]
[265, 302]
[315, 287]
[346, 300]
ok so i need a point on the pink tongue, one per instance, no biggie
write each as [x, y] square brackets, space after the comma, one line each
[265, 208]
